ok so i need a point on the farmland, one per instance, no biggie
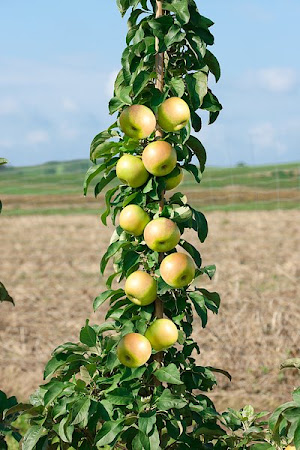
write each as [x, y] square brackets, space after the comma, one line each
[52, 243]
[56, 188]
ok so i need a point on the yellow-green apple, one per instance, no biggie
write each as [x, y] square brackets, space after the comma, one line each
[174, 178]
[137, 121]
[133, 219]
[162, 334]
[159, 158]
[161, 235]
[141, 288]
[131, 171]
[173, 114]
[177, 270]
[134, 350]
[290, 447]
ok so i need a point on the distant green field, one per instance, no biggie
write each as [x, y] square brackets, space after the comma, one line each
[237, 188]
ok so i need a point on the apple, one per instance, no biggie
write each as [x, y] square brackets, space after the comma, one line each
[162, 334]
[173, 114]
[177, 270]
[133, 219]
[162, 235]
[174, 178]
[290, 447]
[159, 158]
[134, 350]
[141, 288]
[137, 121]
[131, 171]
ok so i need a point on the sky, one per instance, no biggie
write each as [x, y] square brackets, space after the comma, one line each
[58, 61]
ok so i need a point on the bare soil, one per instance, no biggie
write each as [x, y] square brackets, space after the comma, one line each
[226, 195]
[50, 265]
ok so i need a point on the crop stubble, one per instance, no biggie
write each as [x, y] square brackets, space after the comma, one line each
[50, 264]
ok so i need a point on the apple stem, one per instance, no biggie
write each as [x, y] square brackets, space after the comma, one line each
[159, 84]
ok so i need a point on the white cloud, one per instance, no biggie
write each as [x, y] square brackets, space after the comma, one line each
[8, 106]
[68, 132]
[37, 137]
[265, 136]
[278, 79]
[69, 105]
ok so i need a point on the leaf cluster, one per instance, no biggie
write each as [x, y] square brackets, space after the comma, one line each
[6, 420]
[93, 401]
[90, 400]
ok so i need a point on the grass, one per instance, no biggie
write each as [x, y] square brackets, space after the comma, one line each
[65, 179]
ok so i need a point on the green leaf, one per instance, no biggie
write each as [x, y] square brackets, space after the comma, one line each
[177, 86]
[4, 295]
[54, 391]
[141, 81]
[146, 422]
[213, 117]
[80, 411]
[18, 407]
[107, 178]
[201, 225]
[120, 396]
[297, 437]
[169, 374]
[196, 146]
[196, 121]
[129, 198]
[296, 396]
[141, 442]
[111, 251]
[200, 307]
[88, 335]
[181, 214]
[168, 401]
[91, 173]
[197, 87]
[161, 26]
[32, 437]
[104, 296]
[209, 271]
[180, 8]
[174, 35]
[213, 64]
[212, 300]
[108, 196]
[105, 149]
[65, 430]
[109, 432]
[192, 251]
[115, 104]
[194, 171]
[211, 103]
[3, 161]
[54, 364]
[223, 372]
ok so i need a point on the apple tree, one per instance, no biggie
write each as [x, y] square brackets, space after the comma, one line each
[133, 382]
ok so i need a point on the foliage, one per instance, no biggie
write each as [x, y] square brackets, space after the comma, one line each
[6, 418]
[89, 399]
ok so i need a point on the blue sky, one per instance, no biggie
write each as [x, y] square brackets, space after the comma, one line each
[58, 60]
